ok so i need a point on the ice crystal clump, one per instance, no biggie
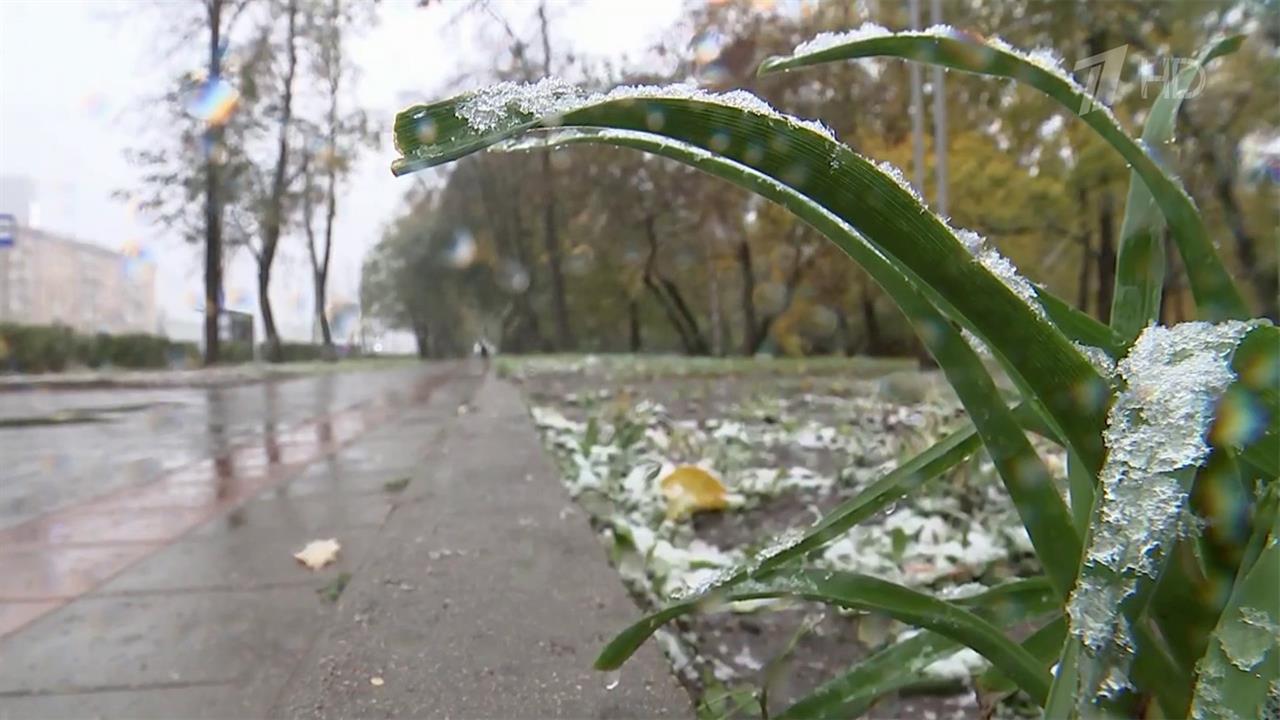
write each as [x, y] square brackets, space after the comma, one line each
[976, 344]
[960, 666]
[507, 104]
[1098, 358]
[1172, 378]
[1247, 640]
[828, 40]
[740, 99]
[492, 107]
[999, 265]
[895, 174]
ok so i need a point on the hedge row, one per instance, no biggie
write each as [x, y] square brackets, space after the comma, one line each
[53, 348]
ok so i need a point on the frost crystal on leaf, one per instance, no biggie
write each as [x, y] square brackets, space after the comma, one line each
[507, 104]
[999, 265]
[1098, 358]
[492, 107]
[896, 175]
[1172, 380]
[960, 665]
[828, 40]
[1246, 640]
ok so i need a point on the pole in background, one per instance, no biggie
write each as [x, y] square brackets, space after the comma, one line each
[939, 122]
[917, 111]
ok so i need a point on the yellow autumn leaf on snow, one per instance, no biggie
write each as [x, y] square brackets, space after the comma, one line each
[318, 553]
[690, 489]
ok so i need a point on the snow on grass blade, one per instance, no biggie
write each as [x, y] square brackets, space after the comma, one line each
[804, 158]
[1140, 261]
[1215, 293]
[861, 592]
[1156, 439]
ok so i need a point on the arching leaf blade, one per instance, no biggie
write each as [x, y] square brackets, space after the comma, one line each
[1140, 260]
[1041, 359]
[1028, 481]
[861, 592]
[1216, 295]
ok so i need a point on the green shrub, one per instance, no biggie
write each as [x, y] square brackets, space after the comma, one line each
[38, 348]
[1161, 547]
[233, 352]
[54, 348]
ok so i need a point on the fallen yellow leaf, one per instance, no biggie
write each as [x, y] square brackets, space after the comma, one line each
[690, 489]
[318, 553]
[376, 681]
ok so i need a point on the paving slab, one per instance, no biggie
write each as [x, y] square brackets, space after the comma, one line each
[158, 640]
[309, 515]
[489, 598]
[476, 590]
[240, 561]
[109, 613]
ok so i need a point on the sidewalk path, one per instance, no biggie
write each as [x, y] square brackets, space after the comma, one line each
[476, 591]
[488, 598]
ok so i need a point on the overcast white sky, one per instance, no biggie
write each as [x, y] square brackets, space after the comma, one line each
[74, 73]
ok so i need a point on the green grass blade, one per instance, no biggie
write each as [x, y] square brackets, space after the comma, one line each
[889, 670]
[1140, 262]
[1061, 702]
[1081, 327]
[861, 592]
[1240, 672]
[1189, 601]
[1249, 419]
[829, 176]
[1030, 486]
[1216, 295]
[1174, 378]
[900, 665]
[1045, 644]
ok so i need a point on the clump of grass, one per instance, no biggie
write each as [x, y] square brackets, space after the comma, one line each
[333, 590]
[1148, 605]
[397, 485]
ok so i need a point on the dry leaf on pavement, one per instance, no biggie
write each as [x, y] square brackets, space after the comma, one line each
[318, 553]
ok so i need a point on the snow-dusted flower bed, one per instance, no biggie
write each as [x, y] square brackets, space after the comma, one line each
[786, 451]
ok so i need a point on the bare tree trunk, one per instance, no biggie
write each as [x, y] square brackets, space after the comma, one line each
[670, 298]
[559, 305]
[212, 202]
[633, 318]
[321, 269]
[798, 270]
[713, 301]
[1106, 257]
[421, 339]
[509, 232]
[870, 323]
[1264, 283]
[749, 320]
[275, 210]
[1086, 261]
[846, 333]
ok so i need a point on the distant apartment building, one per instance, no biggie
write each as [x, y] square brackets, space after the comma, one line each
[46, 278]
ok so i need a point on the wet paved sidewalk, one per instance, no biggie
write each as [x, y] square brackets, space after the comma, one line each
[476, 590]
[177, 595]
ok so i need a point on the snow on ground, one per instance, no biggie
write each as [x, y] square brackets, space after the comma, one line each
[793, 444]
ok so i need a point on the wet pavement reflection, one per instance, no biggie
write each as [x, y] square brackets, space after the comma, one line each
[80, 502]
